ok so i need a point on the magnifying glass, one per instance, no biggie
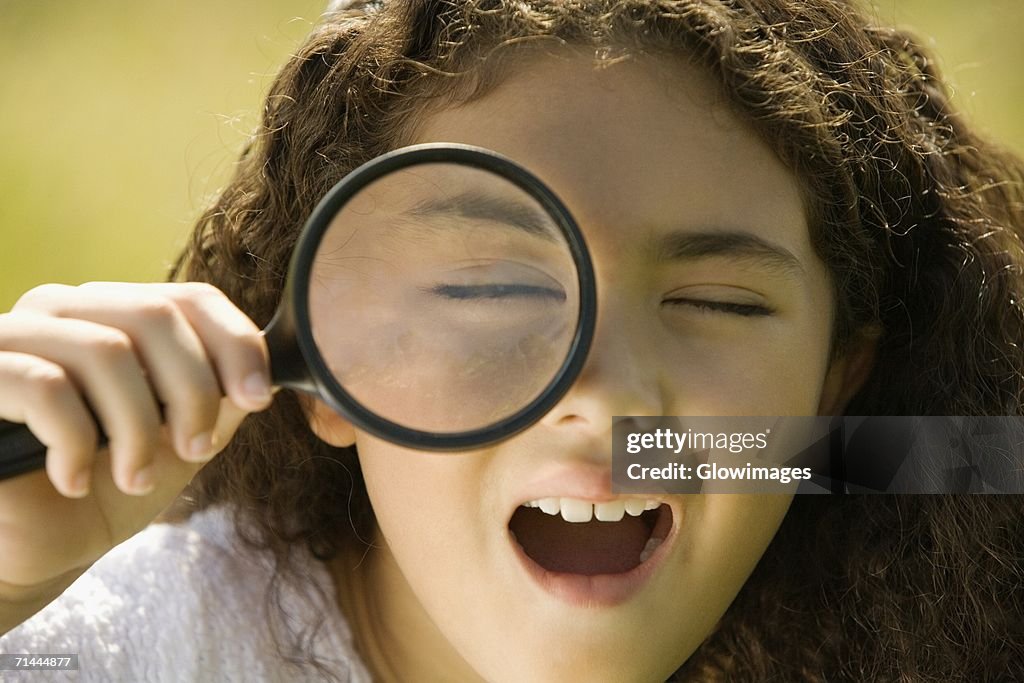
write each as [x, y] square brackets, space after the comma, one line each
[440, 297]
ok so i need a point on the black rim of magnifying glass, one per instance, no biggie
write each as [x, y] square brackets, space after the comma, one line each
[327, 387]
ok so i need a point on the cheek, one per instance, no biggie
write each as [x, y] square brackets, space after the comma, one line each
[724, 538]
[764, 375]
[728, 534]
[423, 502]
[762, 367]
[400, 483]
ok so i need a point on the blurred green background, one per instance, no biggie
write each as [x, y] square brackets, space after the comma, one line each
[118, 120]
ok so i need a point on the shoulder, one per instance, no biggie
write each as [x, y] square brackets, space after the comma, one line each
[189, 601]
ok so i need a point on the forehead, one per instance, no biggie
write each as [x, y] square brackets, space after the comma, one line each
[647, 143]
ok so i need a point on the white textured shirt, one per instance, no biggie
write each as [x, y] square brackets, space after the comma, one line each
[186, 602]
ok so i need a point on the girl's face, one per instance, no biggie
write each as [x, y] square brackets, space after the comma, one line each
[711, 302]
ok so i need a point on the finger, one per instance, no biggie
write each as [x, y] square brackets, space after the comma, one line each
[103, 363]
[229, 419]
[170, 349]
[41, 395]
[232, 341]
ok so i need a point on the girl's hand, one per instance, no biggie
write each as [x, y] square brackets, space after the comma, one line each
[121, 351]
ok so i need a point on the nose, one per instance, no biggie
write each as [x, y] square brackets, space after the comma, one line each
[620, 377]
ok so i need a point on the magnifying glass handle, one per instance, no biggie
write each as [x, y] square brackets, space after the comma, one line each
[21, 451]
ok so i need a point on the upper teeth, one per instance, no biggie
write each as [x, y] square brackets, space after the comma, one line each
[576, 510]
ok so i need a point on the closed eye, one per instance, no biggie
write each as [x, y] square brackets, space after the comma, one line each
[730, 307]
[496, 291]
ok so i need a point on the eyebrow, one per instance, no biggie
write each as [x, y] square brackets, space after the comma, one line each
[735, 245]
[476, 205]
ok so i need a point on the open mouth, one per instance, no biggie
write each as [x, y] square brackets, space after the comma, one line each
[572, 536]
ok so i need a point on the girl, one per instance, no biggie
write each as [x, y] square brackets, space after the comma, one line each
[690, 139]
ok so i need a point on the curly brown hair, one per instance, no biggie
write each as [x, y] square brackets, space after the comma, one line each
[917, 218]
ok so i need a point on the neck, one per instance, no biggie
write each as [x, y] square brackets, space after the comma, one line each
[392, 632]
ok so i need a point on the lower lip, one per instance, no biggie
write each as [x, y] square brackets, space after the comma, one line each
[598, 590]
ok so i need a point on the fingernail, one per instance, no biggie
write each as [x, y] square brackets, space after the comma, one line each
[256, 387]
[142, 481]
[80, 484]
[200, 446]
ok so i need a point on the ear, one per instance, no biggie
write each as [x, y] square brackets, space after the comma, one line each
[328, 425]
[848, 372]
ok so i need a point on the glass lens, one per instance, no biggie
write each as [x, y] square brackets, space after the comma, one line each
[443, 298]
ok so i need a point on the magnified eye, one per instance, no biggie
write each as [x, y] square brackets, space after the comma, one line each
[498, 282]
[727, 307]
[498, 290]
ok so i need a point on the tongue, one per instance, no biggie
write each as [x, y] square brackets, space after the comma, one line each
[591, 548]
